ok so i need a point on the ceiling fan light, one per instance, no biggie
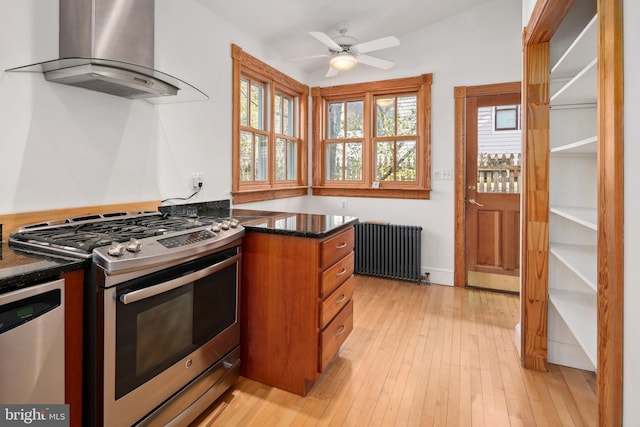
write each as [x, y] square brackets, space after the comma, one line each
[343, 61]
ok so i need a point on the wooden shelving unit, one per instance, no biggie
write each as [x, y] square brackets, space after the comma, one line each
[573, 216]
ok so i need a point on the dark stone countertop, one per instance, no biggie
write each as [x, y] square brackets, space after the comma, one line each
[284, 223]
[19, 269]
[292, 224]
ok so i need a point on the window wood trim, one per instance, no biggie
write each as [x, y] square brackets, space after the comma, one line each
[244, 63]
[420, 189]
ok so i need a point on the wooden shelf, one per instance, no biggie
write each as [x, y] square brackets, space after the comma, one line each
[585, 146]
[582, 51]
[580, 89]
[581, 259]
[587, 217]
[579, 312]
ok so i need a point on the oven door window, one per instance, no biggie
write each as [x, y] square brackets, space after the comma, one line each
[156, 332]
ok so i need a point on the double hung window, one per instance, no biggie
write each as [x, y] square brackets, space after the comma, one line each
[373, 139]
[269, 132]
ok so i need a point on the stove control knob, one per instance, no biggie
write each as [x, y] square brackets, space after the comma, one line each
[216, 227]
[134, 245]
[234, 223]
[116, 249]
[225, 224]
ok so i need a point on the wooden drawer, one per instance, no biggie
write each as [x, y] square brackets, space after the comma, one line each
[335, 275]
[334, 335]
[336, 247]
[334, 302]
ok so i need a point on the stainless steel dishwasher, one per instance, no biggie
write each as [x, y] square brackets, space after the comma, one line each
[32, 344]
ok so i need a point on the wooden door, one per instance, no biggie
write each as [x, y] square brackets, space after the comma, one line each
[492, 194]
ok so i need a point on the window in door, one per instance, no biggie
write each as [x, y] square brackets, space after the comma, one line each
[499, 150]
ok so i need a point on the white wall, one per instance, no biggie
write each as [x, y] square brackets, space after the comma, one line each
[62, 146]
[631, 376]
[480, 46]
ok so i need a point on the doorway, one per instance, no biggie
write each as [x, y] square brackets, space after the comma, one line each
[487, 181]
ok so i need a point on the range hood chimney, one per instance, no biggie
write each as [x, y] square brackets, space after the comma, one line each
[108, 46]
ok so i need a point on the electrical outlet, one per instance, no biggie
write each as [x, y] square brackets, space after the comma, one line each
[447, 174]
[196, 180]
[437, 174]
[343, 204]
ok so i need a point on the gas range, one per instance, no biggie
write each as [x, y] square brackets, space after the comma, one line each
[123, 241]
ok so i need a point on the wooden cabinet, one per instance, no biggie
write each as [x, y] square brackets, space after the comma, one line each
[297, 306]
[572, 322]
[73, 301]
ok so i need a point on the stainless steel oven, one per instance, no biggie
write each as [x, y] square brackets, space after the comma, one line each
[168, 333]
[164, 330]
[161, 312]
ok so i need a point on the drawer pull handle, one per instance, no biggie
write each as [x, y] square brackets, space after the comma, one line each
[340, 273]
[341, 331]
[343, 245]
[341, 299]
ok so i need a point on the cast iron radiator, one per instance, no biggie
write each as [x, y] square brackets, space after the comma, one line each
[386, 250]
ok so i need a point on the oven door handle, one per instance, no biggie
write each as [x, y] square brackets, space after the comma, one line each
[140, 294]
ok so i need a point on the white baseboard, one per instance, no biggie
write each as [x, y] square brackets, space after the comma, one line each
[439, 276]
[566, 354]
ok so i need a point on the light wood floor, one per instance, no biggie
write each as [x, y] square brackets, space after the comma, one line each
[421, 356]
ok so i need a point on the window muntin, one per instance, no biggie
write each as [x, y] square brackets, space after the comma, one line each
[286, 146]
[286, 155]
[254, 150]
[396, 116]
[284, 114]
[345, 119]
[252, 104]
[254, 141]
[395, 160]
[344, 161]
[345, 128]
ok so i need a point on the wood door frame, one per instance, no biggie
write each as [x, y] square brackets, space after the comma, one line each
[461, 94]
[546, 17]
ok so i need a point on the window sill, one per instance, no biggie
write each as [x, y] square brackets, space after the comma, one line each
[389, 193]
[249, 196]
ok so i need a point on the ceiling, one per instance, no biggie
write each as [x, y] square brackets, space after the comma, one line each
[283, 25]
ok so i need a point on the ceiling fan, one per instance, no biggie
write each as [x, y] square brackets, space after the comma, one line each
[345, 51]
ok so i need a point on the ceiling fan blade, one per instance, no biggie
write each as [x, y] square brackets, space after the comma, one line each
[326, 40]
[302, 58]
[375, 62]
[331, 72]
[383, 43]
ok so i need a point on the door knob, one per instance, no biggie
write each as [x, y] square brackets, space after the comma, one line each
[473, 202]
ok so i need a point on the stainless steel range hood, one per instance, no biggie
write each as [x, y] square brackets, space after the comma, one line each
[108, 46]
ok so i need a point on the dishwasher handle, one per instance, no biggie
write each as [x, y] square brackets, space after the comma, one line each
[19, 312]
